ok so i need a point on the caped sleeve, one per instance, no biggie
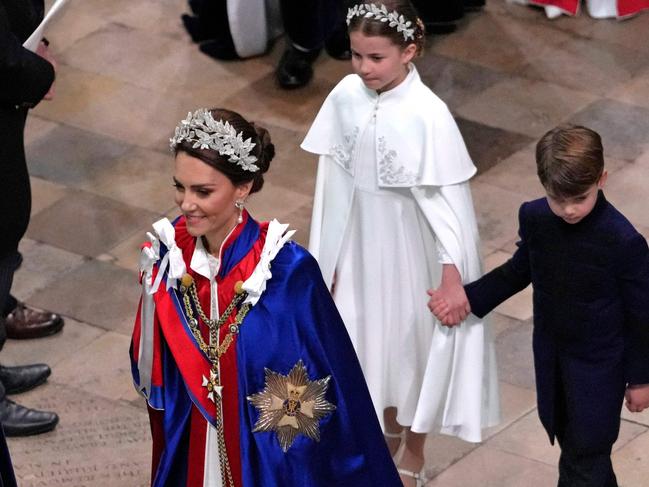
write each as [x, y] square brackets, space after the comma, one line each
[505, 280]
[25, 77]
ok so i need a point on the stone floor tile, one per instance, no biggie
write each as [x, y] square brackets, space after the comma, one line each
[522, 106]
[515, 357]
[54, 349]
[631, 33]
[293, 110]
[97, 293]
[527, 438]
[455, 82]
[98, 442]
[516, 173]
[634, 91]
[129, 113]
[497, 213]
[623, 127]
[275, 202]
[155, 62]
[126, 254]
[70, 156]
[300, 220]
[627, 190]
[631, 463]
[586, 65]
[489, 467]
[511, 44]
[640, 418]
[292, 167]
[519, 306]
[515, 403]
[160, 17]
[45, 193]
[99, 223]
[501, 323]
[105, 366]
[140, 178]
[71, 26]
[42, 265]
[442, 451]
[488, 146]
[37, 127]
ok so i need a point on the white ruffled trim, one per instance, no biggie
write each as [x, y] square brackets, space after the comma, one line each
[173, 259]
[276, 237]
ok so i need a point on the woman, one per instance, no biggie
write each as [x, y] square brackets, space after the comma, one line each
[249, 375]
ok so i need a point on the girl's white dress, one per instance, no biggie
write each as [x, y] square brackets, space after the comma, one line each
[386, 264]
[392, 203]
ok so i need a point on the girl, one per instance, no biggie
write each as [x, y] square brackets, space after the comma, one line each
[249, 375]
[392, 215]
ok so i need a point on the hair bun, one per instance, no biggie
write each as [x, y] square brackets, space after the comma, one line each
[267, 152]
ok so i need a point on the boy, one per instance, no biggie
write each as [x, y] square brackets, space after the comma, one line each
[589, 269]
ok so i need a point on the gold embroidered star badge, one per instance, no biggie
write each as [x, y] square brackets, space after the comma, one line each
[291, 405]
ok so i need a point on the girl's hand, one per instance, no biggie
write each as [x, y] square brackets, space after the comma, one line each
[449, 302]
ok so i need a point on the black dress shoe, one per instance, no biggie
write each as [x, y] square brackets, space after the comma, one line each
[294, 69]
[24, 377]
[195, 28]
[18, 420]
[196, 6]
[27, 322]
[219, 49]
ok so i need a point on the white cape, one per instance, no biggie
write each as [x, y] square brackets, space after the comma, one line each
[459, 395]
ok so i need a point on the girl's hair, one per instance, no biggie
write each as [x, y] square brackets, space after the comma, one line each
[374, 27]
[264, 150]
[569, 160]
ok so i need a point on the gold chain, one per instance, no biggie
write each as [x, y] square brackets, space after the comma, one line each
[213, 351]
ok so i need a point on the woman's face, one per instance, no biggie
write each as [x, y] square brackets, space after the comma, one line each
[206, 198]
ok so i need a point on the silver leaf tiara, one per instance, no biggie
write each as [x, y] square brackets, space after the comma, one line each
[380, 13]
[204, 132]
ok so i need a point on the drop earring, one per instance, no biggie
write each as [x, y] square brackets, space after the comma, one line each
[239, 206]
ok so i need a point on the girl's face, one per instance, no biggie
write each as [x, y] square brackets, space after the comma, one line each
[206, 198]
[381, 64]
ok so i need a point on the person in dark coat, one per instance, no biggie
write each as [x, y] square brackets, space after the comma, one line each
[25, 78]
[442, 17]
[309, 26]
[589, 269]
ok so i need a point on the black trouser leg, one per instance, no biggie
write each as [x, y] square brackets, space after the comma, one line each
[309, 23]
[581, 469]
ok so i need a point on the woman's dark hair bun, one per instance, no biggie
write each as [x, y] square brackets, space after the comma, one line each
[267, 148]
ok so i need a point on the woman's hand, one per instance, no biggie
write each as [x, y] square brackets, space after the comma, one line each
[43, 51]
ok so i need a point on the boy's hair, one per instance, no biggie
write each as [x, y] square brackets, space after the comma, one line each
[569, 160]
[373, 27]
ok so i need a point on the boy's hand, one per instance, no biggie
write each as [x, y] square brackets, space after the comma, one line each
[637, 397]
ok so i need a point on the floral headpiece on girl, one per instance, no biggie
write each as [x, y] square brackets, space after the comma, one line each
[380, 12]
[204, 132]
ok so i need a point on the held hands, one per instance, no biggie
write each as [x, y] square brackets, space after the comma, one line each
[637, 397]
[449, 302]
[43, 51]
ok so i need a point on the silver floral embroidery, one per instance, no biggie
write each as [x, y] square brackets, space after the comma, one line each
[389, 173]
[342, 153]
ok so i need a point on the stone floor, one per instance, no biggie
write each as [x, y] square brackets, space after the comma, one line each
[101, 175]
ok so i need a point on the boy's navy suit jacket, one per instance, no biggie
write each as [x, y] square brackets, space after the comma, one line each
[591, 313]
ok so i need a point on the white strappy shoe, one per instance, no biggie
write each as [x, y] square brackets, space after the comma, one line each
[401, 435]
[420, 478]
